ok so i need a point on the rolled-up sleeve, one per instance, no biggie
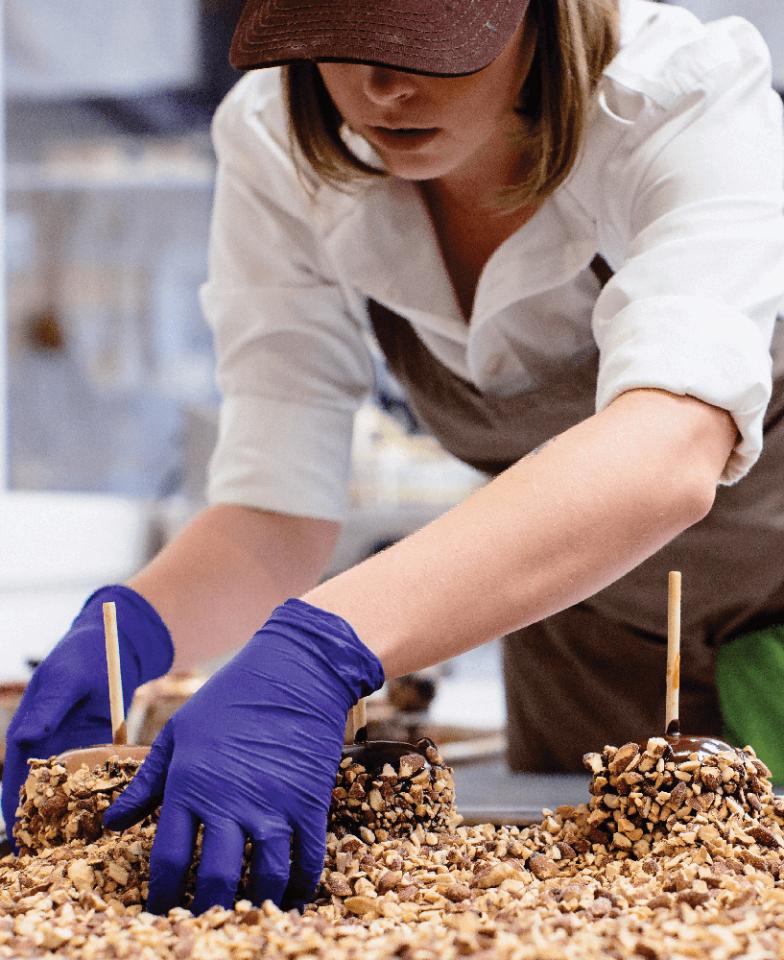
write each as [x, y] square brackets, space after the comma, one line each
[700, 228]
[292, 364]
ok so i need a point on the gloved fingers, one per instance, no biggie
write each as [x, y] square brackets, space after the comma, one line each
[171, 856]
[270, 863]
[77, 730]
[43, 708]
[310, 848]
[145, 792]
[220, 867]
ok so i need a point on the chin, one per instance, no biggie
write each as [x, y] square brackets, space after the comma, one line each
[413, 168]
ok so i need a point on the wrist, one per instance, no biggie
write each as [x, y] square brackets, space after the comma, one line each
[140, 627]
[329, 639]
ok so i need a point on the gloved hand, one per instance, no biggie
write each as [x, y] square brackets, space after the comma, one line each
[253, 754]
[66, 703]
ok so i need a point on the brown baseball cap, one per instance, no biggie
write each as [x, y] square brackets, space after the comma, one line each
[446, 38]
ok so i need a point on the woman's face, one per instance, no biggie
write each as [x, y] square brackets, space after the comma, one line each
[429, 127]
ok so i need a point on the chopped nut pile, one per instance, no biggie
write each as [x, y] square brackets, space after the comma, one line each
[701, 879]
[640, 795]
[395, 800]
[57, 807]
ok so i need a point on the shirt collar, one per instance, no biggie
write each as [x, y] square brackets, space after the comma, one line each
[381, 239]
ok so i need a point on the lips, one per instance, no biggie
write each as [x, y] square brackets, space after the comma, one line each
[404, 137]
[398, 123]
[402, 128]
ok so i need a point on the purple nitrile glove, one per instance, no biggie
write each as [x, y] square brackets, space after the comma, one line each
[253, 755]
[66, 703]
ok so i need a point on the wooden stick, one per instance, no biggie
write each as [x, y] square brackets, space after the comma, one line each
[672, 719]
[358, 719]
[116, 706]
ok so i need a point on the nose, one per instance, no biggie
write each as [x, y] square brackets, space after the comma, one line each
[383, 86]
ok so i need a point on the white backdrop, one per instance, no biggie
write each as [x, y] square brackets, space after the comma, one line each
[72, 48]
[766, 15]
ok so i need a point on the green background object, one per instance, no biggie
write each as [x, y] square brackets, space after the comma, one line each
[750, 683]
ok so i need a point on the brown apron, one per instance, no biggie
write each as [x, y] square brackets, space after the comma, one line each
[594, 673]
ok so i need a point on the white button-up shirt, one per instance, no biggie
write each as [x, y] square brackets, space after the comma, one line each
[678, 186]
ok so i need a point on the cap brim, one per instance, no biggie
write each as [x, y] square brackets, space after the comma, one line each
[446, 38]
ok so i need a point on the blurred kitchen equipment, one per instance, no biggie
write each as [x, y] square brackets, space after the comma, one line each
[412, 693]
[156, 701]
[402, 713]
[87, 48]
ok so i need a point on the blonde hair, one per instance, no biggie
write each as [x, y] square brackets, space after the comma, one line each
[575, 40]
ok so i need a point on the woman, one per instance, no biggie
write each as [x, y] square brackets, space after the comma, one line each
[563, 227]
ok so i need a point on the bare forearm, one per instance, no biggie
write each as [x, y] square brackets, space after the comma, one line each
[217, 582]
[549, 532]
